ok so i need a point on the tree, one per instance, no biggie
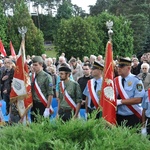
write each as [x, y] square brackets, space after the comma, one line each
[122, 37]
[137, 11]
[3, 26]
[34, 37]
[65, 10]
[76, 37]
[99, 7]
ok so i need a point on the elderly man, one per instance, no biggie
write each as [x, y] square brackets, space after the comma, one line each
[76, 68]
[42, 90]
[129, 91]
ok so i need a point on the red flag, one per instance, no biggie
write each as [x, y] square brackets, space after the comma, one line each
[107, 99]
[21, 85]
[2, 49]
[12, 49]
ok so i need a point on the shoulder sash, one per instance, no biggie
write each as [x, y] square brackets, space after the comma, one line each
[68, 99]
[92, 92]
[134, 108]
[40, 94]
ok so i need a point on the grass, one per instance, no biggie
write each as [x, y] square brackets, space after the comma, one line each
[50, 51]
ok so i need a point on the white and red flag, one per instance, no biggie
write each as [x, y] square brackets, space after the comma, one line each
[2, 49]
[21, 85]
[12, 49]
[107, 99]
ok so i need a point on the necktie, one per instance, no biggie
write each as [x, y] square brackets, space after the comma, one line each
[92, 105]
[144, 76]
[123, 79]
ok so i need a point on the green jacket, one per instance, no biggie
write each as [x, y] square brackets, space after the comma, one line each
[74, 92]
[44, 81]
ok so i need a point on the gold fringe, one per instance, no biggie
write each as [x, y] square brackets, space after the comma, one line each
[13, 99]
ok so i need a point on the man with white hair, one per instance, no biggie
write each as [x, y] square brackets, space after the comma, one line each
[61, 60]
[92, 59]
[100, 59]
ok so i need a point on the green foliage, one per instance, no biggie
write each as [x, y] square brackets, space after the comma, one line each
[65, 10]
[79, 37]
[76, 37]
[136, 11]
[34, 37]
[75, 135]
[3, 25]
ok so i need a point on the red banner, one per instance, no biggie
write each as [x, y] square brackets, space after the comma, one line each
[21, 85]
[12, 49]
[107, 99]
[2, 49]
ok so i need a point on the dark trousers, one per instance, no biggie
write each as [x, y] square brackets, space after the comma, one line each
[98, 113]
[65, 115]
[148, 126]
[6, 98]
[37, 109]
[128, 121]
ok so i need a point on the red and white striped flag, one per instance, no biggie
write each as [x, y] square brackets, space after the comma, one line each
[21, 85]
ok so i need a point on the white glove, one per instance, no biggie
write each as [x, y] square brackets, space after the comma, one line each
[46, 113]
[144, 131]
[119, 102]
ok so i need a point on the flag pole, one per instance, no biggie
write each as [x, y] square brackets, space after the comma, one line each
[22, 31]
[107, 98]
[109, 25]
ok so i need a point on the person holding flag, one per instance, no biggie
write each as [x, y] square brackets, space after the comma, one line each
[92, 90]
[42, 90]
[129, 93]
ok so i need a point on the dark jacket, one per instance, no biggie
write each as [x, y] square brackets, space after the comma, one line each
[6, 84]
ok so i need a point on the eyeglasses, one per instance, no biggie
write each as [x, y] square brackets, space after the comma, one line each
[144, 68]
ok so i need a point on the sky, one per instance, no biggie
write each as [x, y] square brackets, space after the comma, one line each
[84, 3]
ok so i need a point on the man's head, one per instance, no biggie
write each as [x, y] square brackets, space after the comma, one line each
[8, 63]
[87, 69]
[145, 67]
[64, 72]
[97, 69]
[124, 66]
[37, 62]
[62, 60]
[73, 61]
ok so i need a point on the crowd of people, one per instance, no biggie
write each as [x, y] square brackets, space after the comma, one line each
[77, 84]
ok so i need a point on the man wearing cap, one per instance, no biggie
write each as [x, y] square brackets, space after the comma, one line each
[42, 90]
[129, 91]
[93, 89]
[69, 95]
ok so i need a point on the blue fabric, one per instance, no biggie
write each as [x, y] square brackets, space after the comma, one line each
[82, 113]
[6, 118]
[54, 114]
[54, 102]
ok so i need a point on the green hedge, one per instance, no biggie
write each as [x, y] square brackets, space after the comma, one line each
[73, 135]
